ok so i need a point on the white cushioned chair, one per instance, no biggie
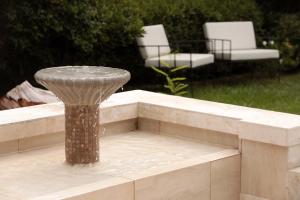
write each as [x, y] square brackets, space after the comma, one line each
[155, 49]
[235, 41]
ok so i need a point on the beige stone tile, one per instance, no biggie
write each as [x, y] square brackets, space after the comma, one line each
[226, 178]
[177, 130]
[203, 135]
[30, 113]
[163, 169]
[264, 170]
[191, 183]
[221, 154]
[118, 127]
[294, 136]
[123, 191]
[189, 118]
[11, 131]
[56, 124]
[294, 156]
[113, 188]
[154, 112]
[35, 127]
[250, 197]
[148, 125]
[294, 184]
[223, 138]
[118, 113]
[41, 141]
[257, 132]
[9, 147]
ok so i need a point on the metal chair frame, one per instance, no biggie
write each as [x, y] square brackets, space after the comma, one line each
[181, 43]
[215, 51]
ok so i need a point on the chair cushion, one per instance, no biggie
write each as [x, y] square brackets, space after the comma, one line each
[154, 35]
[248, 54]
[241, 34]
[180, 59]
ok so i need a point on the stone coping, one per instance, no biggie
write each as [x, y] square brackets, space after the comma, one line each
[249, 123]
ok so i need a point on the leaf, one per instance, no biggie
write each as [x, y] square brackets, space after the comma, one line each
[179, 68]
[180, 87]
[181, 93]
[178, 79]
[159, 71]
[165, 64]
[170, 84]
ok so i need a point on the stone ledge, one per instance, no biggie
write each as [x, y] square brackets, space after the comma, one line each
[294, 184]
[259, 125]
[277, 128]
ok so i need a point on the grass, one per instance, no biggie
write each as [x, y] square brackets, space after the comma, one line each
[270, 94]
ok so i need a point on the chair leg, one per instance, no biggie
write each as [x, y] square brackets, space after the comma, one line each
[278, 68]
[191, 82]
[252, 74]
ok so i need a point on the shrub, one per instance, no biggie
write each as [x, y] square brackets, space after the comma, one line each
[59, 32]
[183, 19]
[288, 33]
[38, 34]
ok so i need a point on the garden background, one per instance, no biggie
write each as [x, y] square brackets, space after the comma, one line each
[36, 34]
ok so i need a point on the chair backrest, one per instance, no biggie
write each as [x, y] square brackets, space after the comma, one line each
[241, 34]
[154, 36]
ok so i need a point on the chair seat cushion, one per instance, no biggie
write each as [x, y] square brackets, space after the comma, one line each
[179, 59]
[247, 54]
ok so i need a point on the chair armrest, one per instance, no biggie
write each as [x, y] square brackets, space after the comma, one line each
[214, 49]
[159, 54]
[191, 41]
[158, 49]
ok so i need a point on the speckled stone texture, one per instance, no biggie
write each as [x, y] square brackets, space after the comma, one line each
[82, 89]
[82, 134]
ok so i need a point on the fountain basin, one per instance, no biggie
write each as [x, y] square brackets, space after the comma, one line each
[267, 143]
[138, 159]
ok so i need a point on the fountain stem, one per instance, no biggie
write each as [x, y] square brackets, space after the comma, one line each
[82, 134]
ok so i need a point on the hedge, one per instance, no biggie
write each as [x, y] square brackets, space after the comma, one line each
[38, 34]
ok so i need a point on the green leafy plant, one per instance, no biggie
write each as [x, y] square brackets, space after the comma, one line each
[175, 85]
[289, 53]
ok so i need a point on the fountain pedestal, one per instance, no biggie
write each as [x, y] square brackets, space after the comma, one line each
[82, 89]
[82, 138]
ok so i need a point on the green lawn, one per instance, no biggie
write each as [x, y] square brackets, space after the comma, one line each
[283, 96]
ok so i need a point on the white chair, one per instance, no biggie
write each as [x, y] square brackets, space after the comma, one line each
[155, 49]
[235, 41]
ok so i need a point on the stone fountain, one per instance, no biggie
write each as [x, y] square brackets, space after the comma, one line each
[82, 89]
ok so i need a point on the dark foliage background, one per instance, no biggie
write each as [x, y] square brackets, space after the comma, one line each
[36, 34]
